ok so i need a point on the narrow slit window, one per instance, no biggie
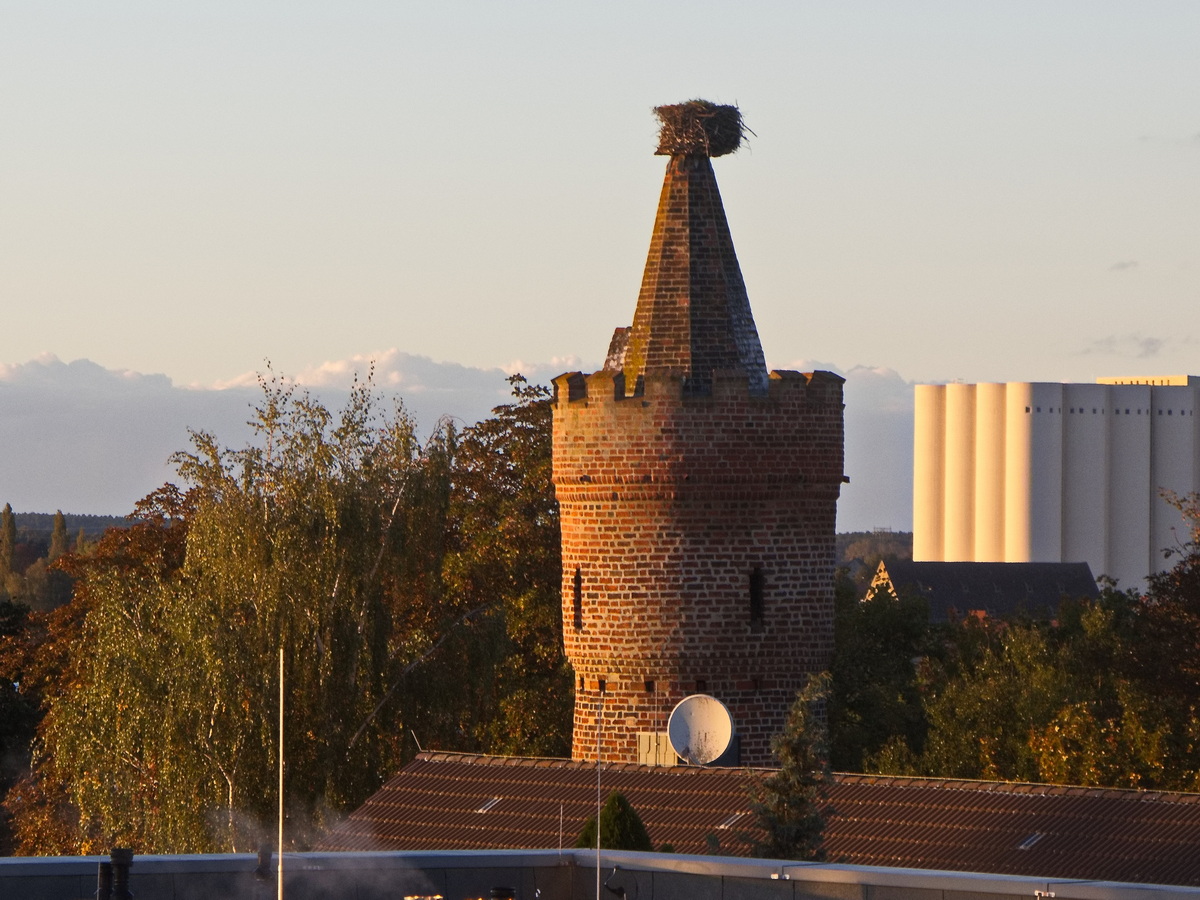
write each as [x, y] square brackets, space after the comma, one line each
[756, 599]
[577, 594]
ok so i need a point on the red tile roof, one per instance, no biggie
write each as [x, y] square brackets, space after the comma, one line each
[459, 801]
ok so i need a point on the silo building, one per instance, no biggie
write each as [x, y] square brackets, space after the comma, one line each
[1048, 472]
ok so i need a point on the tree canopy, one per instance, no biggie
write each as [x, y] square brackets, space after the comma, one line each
[1107, 694]
[378, 562]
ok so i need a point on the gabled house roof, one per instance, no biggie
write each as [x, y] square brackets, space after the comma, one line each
[956, 590]
[459, 801]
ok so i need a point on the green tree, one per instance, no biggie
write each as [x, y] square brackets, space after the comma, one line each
[165, 739]
[45, 587]
[8, 539]
[1061, 704]
[879, 646]
[46, 820]
[790, 805]
[378, 562]
[980, 722]
[621, 828]
[58, 537]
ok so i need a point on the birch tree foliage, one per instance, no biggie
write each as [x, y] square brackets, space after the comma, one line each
[165, 738]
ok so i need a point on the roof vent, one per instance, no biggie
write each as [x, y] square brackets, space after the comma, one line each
[1030, 841]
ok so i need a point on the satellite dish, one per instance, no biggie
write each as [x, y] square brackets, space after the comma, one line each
[700, 729]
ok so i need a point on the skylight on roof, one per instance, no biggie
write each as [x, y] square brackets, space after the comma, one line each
[1030, 841]
[729, 822]
[488, 805]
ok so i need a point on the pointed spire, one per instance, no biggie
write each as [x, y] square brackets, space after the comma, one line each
[693, 315]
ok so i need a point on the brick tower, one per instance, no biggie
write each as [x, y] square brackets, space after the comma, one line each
[697, 493]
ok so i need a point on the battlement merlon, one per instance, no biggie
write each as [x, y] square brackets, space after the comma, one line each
[785, 386]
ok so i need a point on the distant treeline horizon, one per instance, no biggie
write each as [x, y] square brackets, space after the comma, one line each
[32, 525]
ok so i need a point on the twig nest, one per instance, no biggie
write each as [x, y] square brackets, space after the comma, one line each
[699, 128]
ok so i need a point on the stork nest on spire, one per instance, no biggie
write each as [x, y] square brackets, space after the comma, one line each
[699, 128]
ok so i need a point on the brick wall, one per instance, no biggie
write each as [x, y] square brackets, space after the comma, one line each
[693, 315]
[669, 501]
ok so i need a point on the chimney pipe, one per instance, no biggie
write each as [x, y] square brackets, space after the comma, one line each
[122, 859]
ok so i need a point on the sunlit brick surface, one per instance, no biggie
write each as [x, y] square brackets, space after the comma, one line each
[667, 505]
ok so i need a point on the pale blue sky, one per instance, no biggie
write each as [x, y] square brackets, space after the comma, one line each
[984, 190]
[973, 190]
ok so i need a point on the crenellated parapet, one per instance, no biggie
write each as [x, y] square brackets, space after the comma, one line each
[662, 439]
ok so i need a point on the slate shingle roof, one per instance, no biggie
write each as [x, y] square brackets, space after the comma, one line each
[445, 801]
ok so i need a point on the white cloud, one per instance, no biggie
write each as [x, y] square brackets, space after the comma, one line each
[543, 372]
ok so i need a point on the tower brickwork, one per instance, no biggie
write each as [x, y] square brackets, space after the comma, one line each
[697, 499]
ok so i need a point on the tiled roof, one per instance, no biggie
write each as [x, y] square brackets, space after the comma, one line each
[458, 801]
[435, 803]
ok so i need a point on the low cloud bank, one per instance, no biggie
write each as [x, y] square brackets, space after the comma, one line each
[86, 439]
[879, 447]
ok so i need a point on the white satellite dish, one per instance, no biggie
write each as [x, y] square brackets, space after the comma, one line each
[700, 729]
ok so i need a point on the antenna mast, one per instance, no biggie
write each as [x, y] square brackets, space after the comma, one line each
[280, 873]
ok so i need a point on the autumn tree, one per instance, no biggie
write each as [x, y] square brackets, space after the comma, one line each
[165, 738]
[46, 820]
[18, 706]
[377, 561]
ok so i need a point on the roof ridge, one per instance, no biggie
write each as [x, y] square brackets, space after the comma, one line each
[1014, 787]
